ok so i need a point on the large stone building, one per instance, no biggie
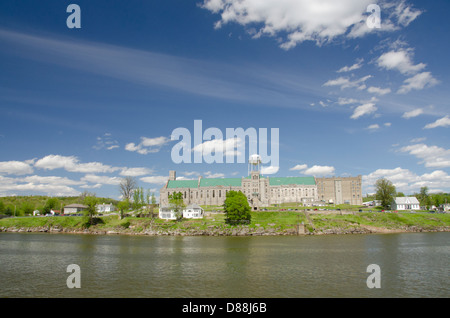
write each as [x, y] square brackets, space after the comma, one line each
[264, 191]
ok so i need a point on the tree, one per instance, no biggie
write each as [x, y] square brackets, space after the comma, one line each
[27, 208]
[237, 209]
[177, 204]
[123, 206]
[385, 192]
[91, 211]
[127, 186]
[423, 197]
[2, 207]
[50, 205]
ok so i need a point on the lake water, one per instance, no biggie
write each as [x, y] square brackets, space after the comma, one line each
[411, 265]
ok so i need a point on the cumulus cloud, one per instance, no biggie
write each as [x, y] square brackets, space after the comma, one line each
[308, 20]
[378, 90]
[430, 156]
[315, 170]
[72, 164]
[15, 167]
[373, 127]
[413, 113]
[135, 172]
[299, 167]
[155, 179]
[443, 122]
[418, 82]
[147, 145]
[401, 61]
[407, 181]
[96, 179]
[362, 110]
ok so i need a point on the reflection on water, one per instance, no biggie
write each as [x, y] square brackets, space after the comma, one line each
[412, 265]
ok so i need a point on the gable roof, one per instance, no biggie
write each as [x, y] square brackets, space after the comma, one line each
[406, 200]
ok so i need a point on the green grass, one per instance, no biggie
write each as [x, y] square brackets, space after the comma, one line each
[269, 219]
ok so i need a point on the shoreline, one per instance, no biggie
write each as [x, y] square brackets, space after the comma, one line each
[236, 231]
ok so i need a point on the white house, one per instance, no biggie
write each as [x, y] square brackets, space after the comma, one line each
[405, 203]
[105, 208]
[192, 211]
[74, 208]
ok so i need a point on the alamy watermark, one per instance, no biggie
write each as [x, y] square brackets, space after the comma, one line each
[212, 146]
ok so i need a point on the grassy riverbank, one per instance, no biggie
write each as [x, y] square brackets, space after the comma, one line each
[263, 223]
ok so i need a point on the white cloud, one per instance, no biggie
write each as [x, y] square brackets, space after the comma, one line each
[418, 82]
[374, 127]
[155, 179]
[135, 172]
[72, 164]
[413, 113]
[101, 179]
[365, 109]
[299, 167]
[378, 90]
[431, 156]
[443, 122]
[227, 147]
[15, 167]
[308, 20]
[347, 101]
[319, 170]
[106, 142]
[52, 186]
[209, 174]
[147, 145]
[353, 67]
[407, 181]
[400, 61]
[345, 82]
[269, 170]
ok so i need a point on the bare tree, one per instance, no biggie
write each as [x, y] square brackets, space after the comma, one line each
[127, 186]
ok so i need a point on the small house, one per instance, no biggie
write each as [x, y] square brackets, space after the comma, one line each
[105, 208]
[74, 208]
[405, 203]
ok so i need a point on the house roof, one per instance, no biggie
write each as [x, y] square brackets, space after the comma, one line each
[406, 200]
[194, 206]
[76, 206]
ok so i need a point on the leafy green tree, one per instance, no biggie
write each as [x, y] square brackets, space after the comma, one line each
[91, 211]
[26, 208]
[177, 204]
[123, 206]
[400, 194]
[236, 207]
[2, 207]
[385, 192]
[50, 205]
[423, 197]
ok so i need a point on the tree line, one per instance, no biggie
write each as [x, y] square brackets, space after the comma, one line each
[386, 193]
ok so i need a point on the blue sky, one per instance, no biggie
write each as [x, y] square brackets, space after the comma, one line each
[82, 108]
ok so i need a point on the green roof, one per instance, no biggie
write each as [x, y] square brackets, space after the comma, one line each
[237, 182]
[182, 184]
[292, 180]
[227, 182]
